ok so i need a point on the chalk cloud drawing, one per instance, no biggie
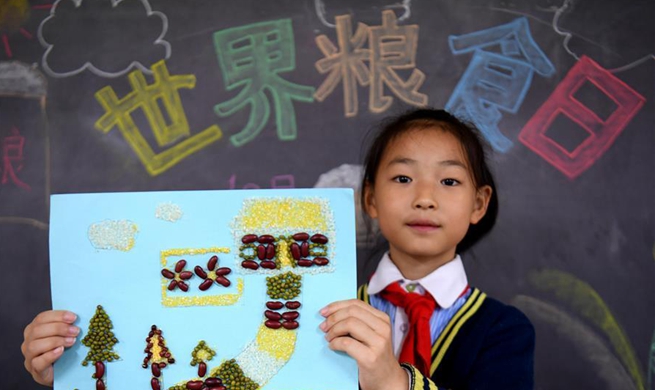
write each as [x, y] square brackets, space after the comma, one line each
[323, 12]
[127, 28]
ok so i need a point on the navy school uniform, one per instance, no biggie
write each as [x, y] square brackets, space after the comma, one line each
[484, 345]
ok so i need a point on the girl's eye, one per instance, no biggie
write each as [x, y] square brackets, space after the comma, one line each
[449, 182]
[402, 179]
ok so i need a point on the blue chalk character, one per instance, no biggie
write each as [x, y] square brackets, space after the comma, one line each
[496, 81]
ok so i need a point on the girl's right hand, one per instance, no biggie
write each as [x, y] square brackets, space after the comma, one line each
[44, 341]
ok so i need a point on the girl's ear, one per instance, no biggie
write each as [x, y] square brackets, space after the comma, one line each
[482, 197]
[369, 201]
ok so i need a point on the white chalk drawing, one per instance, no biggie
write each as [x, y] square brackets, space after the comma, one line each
[88, 65]
[405, 5]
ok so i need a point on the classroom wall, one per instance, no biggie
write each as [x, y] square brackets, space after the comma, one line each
[141, 95]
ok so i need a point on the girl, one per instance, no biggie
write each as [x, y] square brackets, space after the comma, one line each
[427, 183]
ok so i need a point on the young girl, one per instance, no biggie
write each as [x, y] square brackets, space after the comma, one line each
[427, 183]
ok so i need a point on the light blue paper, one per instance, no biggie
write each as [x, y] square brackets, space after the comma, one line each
[128, 285]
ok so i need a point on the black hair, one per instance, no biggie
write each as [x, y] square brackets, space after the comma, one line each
[473, 145]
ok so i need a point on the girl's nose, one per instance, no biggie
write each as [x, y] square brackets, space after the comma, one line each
[425, 199]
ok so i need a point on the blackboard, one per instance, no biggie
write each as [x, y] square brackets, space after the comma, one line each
[282, 94]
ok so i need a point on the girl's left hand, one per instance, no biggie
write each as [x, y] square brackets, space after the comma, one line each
[364, 333]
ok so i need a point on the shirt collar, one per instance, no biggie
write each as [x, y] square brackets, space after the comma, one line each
[445, 284]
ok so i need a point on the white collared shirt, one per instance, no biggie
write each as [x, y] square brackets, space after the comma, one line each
[445, 284]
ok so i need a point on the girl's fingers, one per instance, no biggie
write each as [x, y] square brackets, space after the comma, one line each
[45, 330]
[357, 329]
[41, 366]
[378, 323]
[351, 346]
[36, 348]
[55, 316]
[339, 305]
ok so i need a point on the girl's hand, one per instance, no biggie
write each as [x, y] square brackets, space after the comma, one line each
[44, 341]
[364, 333]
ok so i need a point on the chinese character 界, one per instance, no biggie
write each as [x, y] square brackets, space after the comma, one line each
[251, 57]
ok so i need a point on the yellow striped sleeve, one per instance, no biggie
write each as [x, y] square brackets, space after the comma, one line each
[418, 381]
[362, 293]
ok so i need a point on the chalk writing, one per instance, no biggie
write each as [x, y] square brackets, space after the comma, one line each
[12, 159]
[391, 48]
[147, 97]
[278, 181]
[128, 29]
[496, 82]
[602, 132]
[252, 57]
[345, 64]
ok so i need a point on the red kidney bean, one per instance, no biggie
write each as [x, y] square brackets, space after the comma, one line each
[295, 251]
[156, 371]
[172, 285]
[223, 281]
[300, 236]
[273, 324]
[223, 271]
[266, 239]
[162, 364]
[290, 315]
[154, 383]
[292, 305]
[217, 388]
[213, 382]
[274, 305]
[249, 264]
[249, 238]
[167, 274]
[271, 315]
[211, 264]
[261, 252]
[200, 272]
[194, 385]
[207, 283]
[305, 263]
[270, 251]
[304, 249]
[100, 385]
[100, 370]
[183, 286]
[202, 369]
[321, 261]
[179, 266]
[268, 264]
[184, 275]
[290, 324]
[319, 239]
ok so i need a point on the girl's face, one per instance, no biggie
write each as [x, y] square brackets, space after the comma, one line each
[424, 197]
